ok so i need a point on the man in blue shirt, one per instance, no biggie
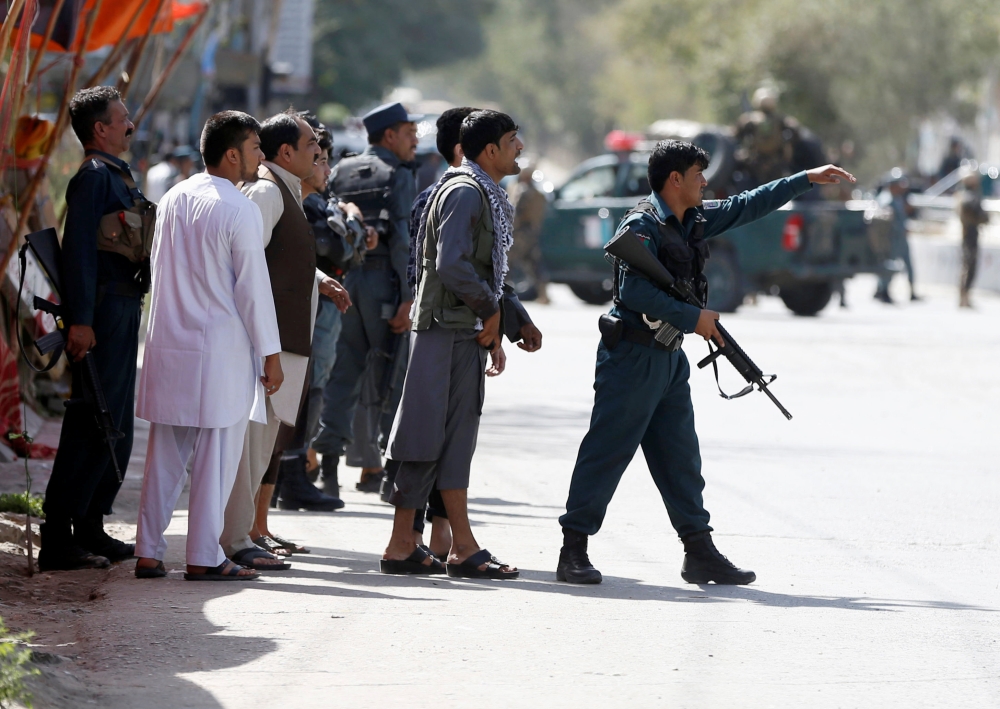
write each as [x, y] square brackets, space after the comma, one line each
[642, 395]
[381, 182]
[102, 301]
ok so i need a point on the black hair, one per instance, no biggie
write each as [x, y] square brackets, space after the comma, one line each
[376, 138]
[449, 126]
[88, 106]
[279, 130]
[324, 138]
[223, 131]
[673, 156]
[482, 127]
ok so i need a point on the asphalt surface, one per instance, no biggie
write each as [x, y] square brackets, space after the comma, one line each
[870, 520]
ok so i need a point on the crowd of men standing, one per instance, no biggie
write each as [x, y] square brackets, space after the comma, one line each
[278, 333]
[258, 359]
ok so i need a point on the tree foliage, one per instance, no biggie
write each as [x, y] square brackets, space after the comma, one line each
[362, 47]
[864, 70]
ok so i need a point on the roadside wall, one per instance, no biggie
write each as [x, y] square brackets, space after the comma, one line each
[938, 259]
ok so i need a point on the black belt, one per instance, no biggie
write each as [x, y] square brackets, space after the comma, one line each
[376, 263]
[126, 290]
[648, 338]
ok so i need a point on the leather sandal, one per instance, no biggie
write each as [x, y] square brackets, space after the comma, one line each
[413, 564]
[469, 569]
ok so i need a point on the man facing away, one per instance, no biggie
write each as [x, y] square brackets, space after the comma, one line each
[972, 216]
[465, 234]
[102, 302]
[211, 321]
[290, 149]
[381, 183]
[642, 396]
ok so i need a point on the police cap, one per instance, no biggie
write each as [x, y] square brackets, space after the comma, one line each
[388, 114]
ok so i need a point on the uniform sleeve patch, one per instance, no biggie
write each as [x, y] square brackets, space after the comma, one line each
[711, 204]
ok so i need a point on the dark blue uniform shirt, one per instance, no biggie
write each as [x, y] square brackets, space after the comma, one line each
[94, 191]
[403, 192]
[639, 296]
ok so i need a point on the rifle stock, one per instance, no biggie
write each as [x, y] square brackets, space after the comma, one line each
[628, 248]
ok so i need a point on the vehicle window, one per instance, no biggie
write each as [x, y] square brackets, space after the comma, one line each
[597, 182]
[637, 184]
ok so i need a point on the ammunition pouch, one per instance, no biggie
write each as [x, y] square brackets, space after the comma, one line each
[128, 232]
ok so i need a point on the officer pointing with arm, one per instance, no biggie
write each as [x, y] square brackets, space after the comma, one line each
[642, 395]
[104, 272]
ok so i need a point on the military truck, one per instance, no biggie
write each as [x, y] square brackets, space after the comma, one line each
[802, 252]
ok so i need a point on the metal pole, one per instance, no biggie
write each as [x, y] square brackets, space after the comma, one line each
[161, 80]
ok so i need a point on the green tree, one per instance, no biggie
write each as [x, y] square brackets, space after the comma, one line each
[362, 47]
[869, 71]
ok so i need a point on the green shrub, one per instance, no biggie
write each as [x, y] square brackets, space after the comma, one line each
[22, 504]
[13, 658]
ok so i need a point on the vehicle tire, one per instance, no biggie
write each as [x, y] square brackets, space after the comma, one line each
[806, 298]
[725, 282]
[592, 293]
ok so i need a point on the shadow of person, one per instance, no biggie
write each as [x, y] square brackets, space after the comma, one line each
[152, 632]
[357, 568]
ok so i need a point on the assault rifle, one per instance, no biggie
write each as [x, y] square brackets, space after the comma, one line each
[630, 251]
[44, 247]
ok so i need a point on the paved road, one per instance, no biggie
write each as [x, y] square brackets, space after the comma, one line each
[870, 519]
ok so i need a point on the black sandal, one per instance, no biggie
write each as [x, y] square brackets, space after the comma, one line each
[289, 545]
[150, 572]
[413, 564]
[251, 555]
[469, 569]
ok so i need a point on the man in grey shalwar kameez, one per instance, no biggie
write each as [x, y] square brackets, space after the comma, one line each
[461, 312]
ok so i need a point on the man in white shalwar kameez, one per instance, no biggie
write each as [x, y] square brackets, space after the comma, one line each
[290, 149]
[211, 322]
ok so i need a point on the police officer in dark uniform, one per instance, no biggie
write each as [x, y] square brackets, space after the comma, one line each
[104, 275]
[381, 182]
[642, 395]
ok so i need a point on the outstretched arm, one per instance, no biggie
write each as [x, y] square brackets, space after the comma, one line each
[749, 206]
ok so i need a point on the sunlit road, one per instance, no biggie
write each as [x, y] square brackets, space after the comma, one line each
[872, 520]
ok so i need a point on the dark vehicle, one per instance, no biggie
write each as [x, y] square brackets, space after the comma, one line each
[802, 252]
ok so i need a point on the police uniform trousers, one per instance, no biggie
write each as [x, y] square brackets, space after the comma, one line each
[241, 510]
[363, 450]
[84, 483]
[642, 399]
[214, 455]
[435, 432]
[363, 329]
[326, 333]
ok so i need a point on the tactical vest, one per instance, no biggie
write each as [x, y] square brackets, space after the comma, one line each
[291, 263]
[683, 255]
[366, 180]
[435, 303]
[128, 232]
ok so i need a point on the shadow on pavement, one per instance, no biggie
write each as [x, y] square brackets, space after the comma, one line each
[361, 569]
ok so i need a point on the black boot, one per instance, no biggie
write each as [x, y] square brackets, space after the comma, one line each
[328, 474]
[89, 534]
[574, 564]
[704, 563]
[297, 493]
[60, 553]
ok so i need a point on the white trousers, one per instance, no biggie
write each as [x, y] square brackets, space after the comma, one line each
[241, 512]
[214, 454]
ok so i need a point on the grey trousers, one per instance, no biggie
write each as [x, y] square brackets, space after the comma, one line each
[437, 425]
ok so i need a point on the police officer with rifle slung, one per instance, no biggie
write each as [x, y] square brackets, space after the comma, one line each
[381, 181]
[104, 275]
[642, 395]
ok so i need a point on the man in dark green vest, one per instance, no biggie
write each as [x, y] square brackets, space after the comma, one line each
[461, 312]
